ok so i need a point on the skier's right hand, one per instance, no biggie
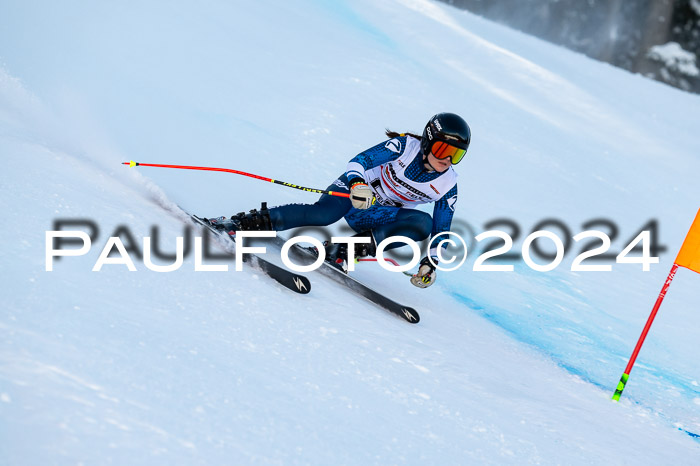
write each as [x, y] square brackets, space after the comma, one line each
[360, 195]
[426, 273]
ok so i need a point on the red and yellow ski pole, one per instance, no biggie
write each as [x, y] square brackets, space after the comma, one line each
[237, 172]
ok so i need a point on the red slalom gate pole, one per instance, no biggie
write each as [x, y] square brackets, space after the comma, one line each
[642, 337]
[237, 172]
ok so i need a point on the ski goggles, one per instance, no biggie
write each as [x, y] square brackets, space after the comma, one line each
[442, 150]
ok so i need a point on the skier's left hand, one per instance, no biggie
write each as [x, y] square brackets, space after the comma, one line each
[426, 273]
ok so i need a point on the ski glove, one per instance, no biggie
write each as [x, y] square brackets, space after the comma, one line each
[426, 273]
[360, 194]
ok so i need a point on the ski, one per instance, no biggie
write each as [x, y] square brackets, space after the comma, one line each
[301, 284]
[339, 276]
[295, 282]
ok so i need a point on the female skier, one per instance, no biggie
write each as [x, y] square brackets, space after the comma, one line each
[386, 183]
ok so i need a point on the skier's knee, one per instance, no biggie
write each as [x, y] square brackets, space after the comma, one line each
[426, 225]
[420, 225]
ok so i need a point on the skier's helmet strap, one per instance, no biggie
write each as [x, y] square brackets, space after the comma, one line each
[450, 129]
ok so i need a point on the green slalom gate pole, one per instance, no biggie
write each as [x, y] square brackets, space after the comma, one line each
[642, 337]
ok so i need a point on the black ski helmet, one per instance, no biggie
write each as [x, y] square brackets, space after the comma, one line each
[446, 127]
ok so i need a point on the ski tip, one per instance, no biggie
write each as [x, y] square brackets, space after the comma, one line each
[410, 315]
[130, 163]
[302, 284]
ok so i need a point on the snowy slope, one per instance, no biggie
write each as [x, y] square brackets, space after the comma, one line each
[227, 367]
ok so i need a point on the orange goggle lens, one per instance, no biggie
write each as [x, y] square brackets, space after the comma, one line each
[442, 150]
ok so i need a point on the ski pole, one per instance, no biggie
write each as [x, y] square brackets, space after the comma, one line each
[237, 172]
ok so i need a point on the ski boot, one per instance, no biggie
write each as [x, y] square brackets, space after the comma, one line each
[337, 253]
[253, 220]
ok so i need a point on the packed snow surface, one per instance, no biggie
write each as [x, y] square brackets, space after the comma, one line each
[187, 367]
